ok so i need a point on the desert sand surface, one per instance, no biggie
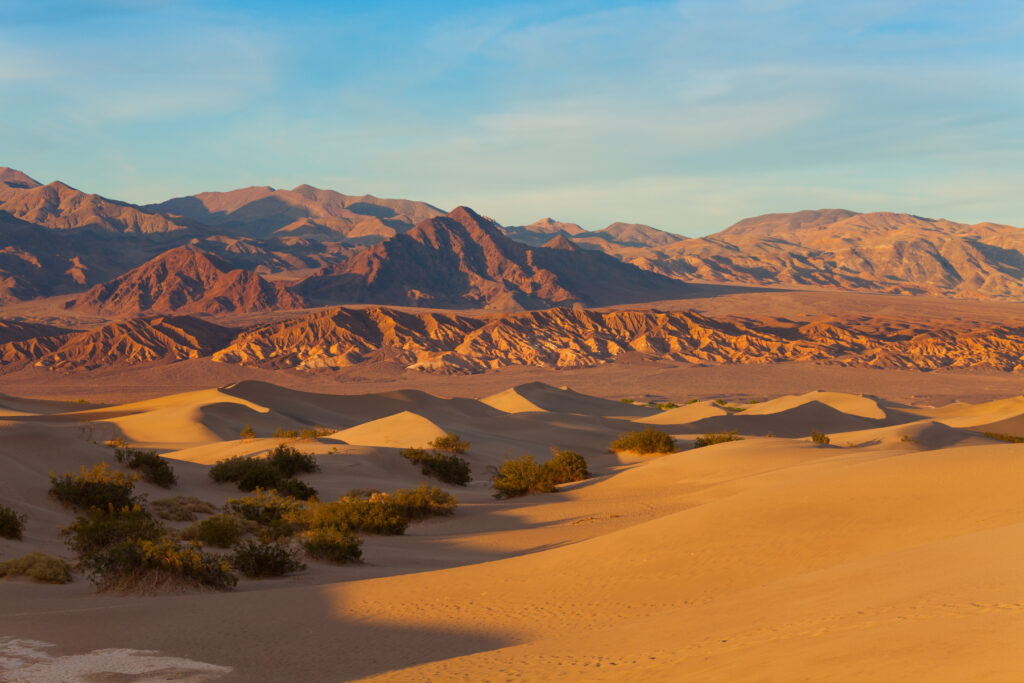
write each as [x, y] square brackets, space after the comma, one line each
[893, 553]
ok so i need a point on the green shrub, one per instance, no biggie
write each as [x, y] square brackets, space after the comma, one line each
[448, 467]
[39, 567]
[221, 531]
[331, 545]
[247, 433]
[715, 437]
[286, 433]
[378, 514]
[263, 558]
[155, 470]
[295, 489]
[424, 501]
[650, 440]
[273, 472]
[289, 461]
[567, 466]
[128, 549]
[1010, 438]
[361, 493]
[519, 476]
[625, 400]
[692, 401]
[98, 486]
[820, 438]
[12, 524]
[669, 405]
[264, 507]
[450, 443]
[181, 508]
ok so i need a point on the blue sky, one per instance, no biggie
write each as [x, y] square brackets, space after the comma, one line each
[683, 115]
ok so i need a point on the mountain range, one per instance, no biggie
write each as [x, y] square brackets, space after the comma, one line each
[263, 249]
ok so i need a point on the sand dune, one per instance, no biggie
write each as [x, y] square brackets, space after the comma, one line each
[762, 559]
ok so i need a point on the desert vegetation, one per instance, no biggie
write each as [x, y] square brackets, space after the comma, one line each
[276, 471]
[12, 523]
[1009, 438]
[712, 438]
[302, 434]
[647, 441]
[98, 486]
[37, 566]
[444, 461]
[152, 467]
[220, 531]
[519, 476]
[181, 508]
[331, 545]
[263, 558]
[820, 438]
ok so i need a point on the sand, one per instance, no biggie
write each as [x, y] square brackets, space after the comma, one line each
[877, 557]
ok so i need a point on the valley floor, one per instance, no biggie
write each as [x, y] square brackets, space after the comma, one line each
[893, 553]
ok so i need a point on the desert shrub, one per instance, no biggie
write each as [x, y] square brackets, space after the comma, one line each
[669, 405]
[331, 545]
[906, 438]
[448, 467]
[424, 501]
[154, 469]
[734, 409]
[625, 400]
[1010, 438]
[712, 438]
[450, 443]
[247, 433]
[720, 401]
[273, 472]
[361, 493]
[181, 508]
[649, 440]
[519, 476]
[289, 461]
[265, 558]
[128, 549]
[221, 531]
[820, 438]
[286, 433]
[266, 508]
[98, 486]
[247, 472]
[295, 489]
[378, 514]
[692, 401]
[567, 466]
[12, 524]
[38, 566]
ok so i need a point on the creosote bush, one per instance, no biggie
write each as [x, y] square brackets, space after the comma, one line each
[305, 434]
[39, 567]
[247, 433]
[221, 531]
[128, 549]
[820, 438]
[649, 440]
[712, 438]
[12, 523]
[424, 501]
[331, 545]
[567, 466]
[449, 468]
[154, 469]
[276, 471]
[378, 514]
[258, 559]
[98, 486]
[1009, 438]
[275, 514]
[181, 508]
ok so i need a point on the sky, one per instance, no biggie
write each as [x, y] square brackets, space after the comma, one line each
[687, 116]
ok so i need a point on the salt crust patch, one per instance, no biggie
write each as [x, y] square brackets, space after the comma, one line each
[26, 661]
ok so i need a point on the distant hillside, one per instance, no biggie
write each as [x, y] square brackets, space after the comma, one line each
[464, 260]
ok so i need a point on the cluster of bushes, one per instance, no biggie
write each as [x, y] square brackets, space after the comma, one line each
[129, 549]
[1009, 438]
[39, 567]
[276, 471]
[519, 476]
[12, 523]
[444, 461]
[304, 434]
[649, 440]
[98, 486]
[181, 508]
[820, 438]
[712, 438]
[154, 469]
